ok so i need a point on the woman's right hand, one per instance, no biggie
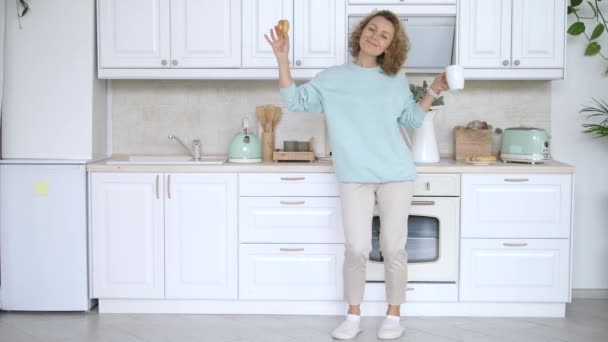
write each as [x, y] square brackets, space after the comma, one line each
[280, 45]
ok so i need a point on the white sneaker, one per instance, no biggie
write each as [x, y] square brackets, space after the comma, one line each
[347, 330]
[390, 328]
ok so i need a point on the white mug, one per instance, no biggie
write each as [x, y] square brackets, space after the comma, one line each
[455, 76]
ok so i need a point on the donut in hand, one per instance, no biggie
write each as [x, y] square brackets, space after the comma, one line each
[282, 28]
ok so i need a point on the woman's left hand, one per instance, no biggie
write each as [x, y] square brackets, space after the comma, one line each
[440, 83]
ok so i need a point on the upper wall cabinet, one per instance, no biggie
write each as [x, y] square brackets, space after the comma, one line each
[401, 2]
[164, 34]
[512, 39]
[317, 34]
[203, 38]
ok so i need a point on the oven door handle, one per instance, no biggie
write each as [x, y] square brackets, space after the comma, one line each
[423, 202]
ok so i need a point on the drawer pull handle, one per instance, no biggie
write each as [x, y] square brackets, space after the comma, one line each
[292, 249]
[292, 202]
[515, 244]
[516, 179]
[423, 202]
[292, 178]
[411, 289]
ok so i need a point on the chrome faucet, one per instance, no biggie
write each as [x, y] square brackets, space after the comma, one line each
[196, 147]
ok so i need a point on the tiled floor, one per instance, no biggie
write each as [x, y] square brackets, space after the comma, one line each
[586, 320]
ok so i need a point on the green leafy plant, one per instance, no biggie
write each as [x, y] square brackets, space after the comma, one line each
[598, 109]
[597, 20]
[23, 8]
[420, 91]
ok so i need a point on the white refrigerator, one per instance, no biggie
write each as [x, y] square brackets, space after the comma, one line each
[43, 236]
[53, 121]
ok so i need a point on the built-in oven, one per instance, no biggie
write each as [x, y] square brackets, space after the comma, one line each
[433, 232]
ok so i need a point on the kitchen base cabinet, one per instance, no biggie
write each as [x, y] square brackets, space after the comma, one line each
[523, 270]
[515, 243]
[272, 243]
[127, 232]
[200, 236]
[161, 236]
[291, 272]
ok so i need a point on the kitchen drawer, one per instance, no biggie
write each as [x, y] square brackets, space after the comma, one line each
[516, 206]
[437, 185]
[416, 292]
[288, 184]
[522, 270]
[290, 220]
[291, 272]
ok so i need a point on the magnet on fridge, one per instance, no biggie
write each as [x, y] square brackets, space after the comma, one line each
[41, 188]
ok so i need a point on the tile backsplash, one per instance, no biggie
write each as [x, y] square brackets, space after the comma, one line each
[145, 112]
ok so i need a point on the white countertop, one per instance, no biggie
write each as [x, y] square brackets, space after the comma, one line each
[444, 166]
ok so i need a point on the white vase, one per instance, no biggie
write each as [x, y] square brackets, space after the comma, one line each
[424, 141]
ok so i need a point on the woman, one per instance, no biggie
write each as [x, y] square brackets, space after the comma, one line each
[364, 103]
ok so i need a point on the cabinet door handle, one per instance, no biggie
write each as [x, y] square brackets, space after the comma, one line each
[174, 62]
[292, 178]
[428, 186]
[505, 62]
[292, 202]
[516, 62]
[298, 62]
[515, 244]
[169, 186]
[157, 193]
[292, 249]
[423, 202]
[516, 179]
[163, 62]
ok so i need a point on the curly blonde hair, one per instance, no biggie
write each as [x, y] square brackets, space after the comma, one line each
[393, 58]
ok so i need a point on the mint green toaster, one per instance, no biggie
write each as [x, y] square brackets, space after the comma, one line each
[525, 144]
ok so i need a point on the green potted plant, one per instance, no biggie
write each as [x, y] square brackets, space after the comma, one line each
[420, 91]
[598, 20]
[598, 109]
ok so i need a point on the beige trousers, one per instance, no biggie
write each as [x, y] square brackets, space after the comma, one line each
[394, 201]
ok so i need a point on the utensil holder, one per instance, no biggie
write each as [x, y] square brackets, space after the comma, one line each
[267, 145]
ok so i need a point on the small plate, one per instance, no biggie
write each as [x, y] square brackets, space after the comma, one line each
[481, 162]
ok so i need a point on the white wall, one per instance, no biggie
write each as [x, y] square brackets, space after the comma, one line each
[584, 80]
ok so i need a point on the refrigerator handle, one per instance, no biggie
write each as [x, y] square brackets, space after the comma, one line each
[157, 194]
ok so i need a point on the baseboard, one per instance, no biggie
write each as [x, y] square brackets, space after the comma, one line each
[590, 293]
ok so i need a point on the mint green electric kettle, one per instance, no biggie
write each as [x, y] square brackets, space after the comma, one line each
[245, 147]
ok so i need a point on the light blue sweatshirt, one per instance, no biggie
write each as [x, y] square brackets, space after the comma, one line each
[363, 109]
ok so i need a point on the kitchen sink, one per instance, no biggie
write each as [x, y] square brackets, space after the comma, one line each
[204, 160]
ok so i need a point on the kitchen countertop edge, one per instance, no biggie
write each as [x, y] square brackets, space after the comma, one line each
[444, 166]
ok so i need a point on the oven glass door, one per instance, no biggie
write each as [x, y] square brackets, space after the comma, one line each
[422, 239]
[432, 242]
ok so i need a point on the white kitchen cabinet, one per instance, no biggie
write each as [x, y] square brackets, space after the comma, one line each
[127, 234]
[153, 34]
[515, 270]
[516, 206]
[200, 236]
[290, 220]
[205, 33]
[512, 39]
[291, 271]
[291, 236]
[288, 184]
[401, 2]
[134, 34]
[259, 16]
[317, 33]
[164, 235]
